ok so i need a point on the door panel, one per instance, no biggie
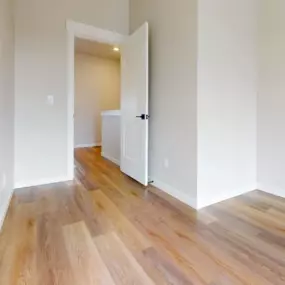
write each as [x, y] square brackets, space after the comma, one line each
[134, 102]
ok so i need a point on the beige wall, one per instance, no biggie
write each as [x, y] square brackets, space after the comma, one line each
[6, 104]
[227, 95]
[271, 98]
[173, 56]
[97, 88]
[41, 70]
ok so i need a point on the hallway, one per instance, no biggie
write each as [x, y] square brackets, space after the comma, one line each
[107, 229]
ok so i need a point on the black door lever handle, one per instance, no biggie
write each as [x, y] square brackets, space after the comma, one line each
[143, 117]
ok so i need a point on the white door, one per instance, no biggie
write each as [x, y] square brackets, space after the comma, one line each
[134, 105]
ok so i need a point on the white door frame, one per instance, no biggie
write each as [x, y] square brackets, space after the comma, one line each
[87, 32]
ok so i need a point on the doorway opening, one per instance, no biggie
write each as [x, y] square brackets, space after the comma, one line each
[131, 128]
[97, 98]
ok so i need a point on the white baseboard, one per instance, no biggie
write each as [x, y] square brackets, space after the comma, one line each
[174, 193]
[109, 157]
[5, 208]
[88, 145]
[277, 191]
[225, 196]
[44, 181]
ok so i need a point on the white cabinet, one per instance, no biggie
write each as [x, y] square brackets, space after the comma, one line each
[111, 135]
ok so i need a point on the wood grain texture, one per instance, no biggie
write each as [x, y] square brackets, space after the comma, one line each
[122, 264]
[86, 262]
[104, 228]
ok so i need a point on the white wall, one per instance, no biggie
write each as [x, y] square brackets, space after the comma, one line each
[97, 88]
[6, 104]
[173, 56]
[271, 98]
[41, 69]
[227, 94]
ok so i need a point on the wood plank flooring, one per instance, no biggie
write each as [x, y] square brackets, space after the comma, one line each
[107, 229]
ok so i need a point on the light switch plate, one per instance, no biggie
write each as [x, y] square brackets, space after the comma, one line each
[50, 100]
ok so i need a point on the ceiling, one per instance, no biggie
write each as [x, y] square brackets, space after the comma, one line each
[96, 49]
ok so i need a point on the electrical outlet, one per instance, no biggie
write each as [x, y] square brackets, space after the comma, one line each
[166, 163]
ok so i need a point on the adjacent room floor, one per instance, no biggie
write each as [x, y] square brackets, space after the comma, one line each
[107, 229]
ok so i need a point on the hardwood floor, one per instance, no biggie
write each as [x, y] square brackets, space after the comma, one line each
[108, 230]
